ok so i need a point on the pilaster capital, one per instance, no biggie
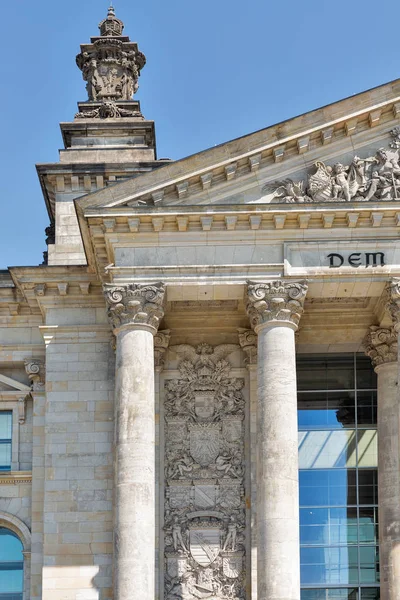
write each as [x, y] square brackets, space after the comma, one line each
[161, 343]
[381, 345]
[394, 303]
[36, 371]
[248, 343]
[275, 302]
[134, 305]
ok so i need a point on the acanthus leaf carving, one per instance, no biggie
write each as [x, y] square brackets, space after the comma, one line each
[204, 519]
[135, 304]
[161, 343]
[275, 301]
[248, 343]
[381, 345]
[372, 178]
[394, 303]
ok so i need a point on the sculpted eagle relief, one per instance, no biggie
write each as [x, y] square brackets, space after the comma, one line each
[372, 178]
[204, 516]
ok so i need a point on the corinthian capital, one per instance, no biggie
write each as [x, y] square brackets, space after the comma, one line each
[394, 302]
[248, 343]
[275, 301]
[135, 305]
[381, 345]
[161, 343]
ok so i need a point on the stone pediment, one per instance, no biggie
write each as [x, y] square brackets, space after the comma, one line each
[347, 151]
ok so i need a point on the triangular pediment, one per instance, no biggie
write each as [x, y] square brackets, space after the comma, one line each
[292, 162]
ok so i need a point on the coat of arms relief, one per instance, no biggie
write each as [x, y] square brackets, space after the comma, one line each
[371, 178]
[205, 518]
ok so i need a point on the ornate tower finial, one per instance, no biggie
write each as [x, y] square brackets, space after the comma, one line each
[111, 63]
[111, 26]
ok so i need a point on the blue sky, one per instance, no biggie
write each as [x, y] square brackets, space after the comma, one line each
[216, 70]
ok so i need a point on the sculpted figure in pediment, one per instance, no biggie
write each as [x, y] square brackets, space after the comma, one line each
[372, 178]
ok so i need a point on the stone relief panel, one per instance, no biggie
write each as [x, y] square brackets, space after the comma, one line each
[370, 178]
[205, 512]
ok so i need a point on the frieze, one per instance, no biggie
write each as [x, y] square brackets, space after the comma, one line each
[370, 178]
[204, 519]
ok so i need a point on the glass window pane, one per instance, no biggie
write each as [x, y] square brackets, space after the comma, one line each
[327, 488]
[326, 410]
[11, 564]
[343, 594]
[368, 486]
[5, 457]
[330, 449]
[343, 526]
[368, 525]
[370, 594]
[316, 372]
[5, 425]
[313, 595]
[366, 376]
[366, 408]
[369, 564]
[329, 565]
[367, 448]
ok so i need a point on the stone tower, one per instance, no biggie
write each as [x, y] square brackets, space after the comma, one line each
[108, 141]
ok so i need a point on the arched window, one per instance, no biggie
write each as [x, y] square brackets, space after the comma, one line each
[11, 566]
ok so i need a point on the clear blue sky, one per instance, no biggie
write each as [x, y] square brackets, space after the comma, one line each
[216, 70]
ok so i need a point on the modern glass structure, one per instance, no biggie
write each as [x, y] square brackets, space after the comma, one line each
[11, 566]
[338, 478]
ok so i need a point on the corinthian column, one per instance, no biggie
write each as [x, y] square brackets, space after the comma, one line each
[274, 309]
[134, 312]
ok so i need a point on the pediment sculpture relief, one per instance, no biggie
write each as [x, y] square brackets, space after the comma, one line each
[370, 178]
[205, 516]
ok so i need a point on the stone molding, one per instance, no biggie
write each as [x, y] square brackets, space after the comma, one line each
[36, 371]
[248, 343]
[161, 343]
[394, 303]
[275, 302]
[135, 305]
[381, 345]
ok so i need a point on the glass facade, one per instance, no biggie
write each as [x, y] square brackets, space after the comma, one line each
[338, 478]
[5, 440]
[11, 566]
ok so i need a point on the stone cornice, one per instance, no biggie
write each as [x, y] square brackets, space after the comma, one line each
[275, 302]
[15, 477]
[134, 305]
[381, 345]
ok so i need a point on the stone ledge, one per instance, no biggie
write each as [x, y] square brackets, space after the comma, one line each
[15, 477]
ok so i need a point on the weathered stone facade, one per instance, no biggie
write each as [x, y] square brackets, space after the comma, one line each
[150, 364]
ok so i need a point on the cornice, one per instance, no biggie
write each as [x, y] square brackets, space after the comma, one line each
[15, 477]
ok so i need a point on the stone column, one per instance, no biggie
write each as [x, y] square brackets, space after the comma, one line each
[135, 312]
[274, 309]
[382, 346]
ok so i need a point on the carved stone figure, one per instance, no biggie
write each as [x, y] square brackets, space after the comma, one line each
[110, 65]
[231, 535]
[204, 469]
[371, 178]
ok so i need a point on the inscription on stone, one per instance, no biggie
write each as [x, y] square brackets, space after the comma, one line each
[357, 259]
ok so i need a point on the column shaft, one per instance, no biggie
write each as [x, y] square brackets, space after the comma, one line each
[277, 469]
[134, 535]
[389, 479]
[275, 309]
[134, 312]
